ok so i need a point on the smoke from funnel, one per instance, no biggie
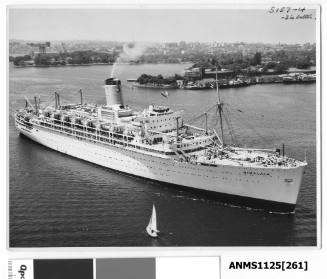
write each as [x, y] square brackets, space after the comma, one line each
[131, 52]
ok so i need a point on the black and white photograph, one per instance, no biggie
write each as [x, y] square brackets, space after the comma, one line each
[163, 127]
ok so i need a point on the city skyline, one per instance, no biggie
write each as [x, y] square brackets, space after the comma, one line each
[241, 25]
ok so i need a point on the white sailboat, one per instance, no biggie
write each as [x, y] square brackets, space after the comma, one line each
[151, 229]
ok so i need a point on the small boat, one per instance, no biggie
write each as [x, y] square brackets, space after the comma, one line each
[151, 229]
[165, 94]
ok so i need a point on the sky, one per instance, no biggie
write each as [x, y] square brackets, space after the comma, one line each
[246, 25]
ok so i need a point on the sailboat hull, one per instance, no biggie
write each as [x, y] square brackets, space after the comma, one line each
[151, 232]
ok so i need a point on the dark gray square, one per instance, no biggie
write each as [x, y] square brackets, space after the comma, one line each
[63, 269]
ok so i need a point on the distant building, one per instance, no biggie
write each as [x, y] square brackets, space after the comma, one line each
[193, 73]
[223, 73]
[29, 62]
[311, 70]
[37, 53]
[202, 73]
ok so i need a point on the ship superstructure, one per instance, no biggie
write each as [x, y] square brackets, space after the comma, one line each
[156, 144]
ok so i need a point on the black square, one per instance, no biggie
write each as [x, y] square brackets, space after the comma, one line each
[63, 269]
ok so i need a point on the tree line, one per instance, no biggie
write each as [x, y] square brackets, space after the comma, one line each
[159, 79]
[75, 57]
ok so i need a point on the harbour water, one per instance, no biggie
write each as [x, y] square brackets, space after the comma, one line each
[56, 200]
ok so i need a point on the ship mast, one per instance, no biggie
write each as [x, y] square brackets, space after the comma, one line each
[220, 108]
[36, 106]
[81, 96]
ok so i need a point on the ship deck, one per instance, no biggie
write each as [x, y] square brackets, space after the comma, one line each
[202, 156]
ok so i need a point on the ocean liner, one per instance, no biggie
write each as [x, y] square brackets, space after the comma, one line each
[157, 144]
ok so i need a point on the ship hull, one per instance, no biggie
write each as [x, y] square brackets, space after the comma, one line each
[271, 189]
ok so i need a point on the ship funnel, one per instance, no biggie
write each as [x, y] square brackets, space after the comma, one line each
[113, 92]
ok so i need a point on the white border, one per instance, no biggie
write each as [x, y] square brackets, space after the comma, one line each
[313, 254]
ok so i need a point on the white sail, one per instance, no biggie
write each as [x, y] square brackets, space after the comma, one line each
[152, 226]
[154, 219]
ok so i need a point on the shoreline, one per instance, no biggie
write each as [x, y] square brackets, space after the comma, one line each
[89, 64]
[260, 79]
[67, 65]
